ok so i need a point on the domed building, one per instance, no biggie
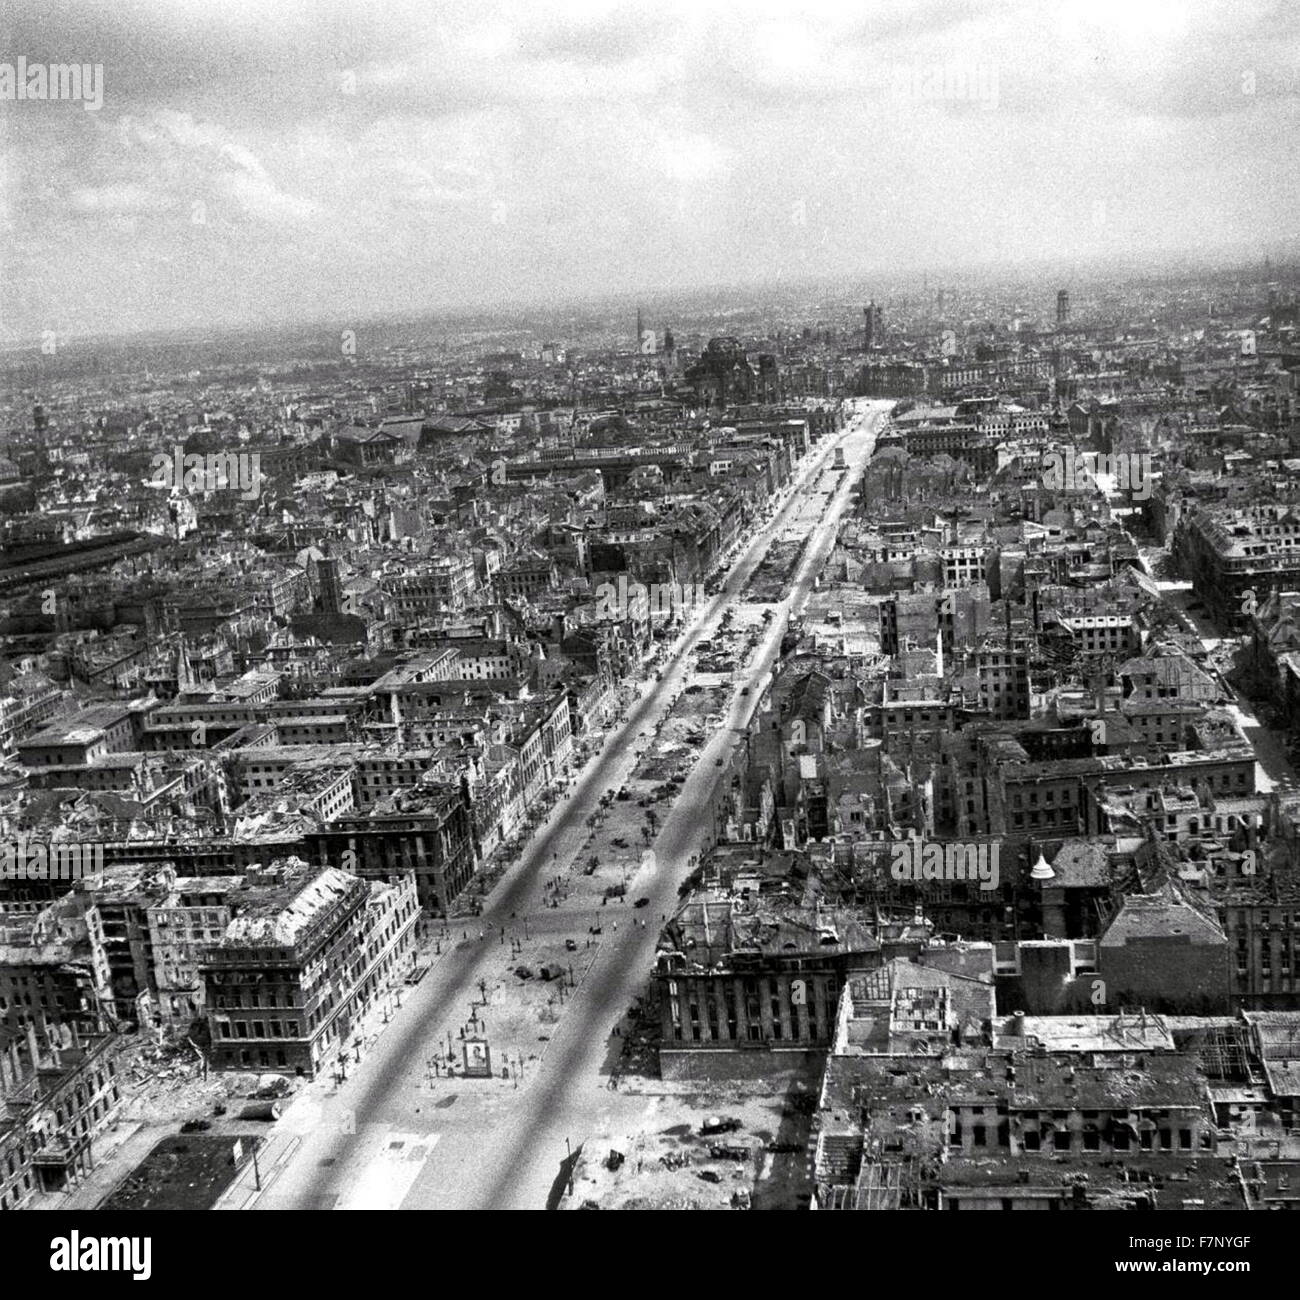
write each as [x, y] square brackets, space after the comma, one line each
[724, 375]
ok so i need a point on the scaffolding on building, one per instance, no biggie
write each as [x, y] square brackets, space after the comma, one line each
[881, 1185]
[1225, 1054]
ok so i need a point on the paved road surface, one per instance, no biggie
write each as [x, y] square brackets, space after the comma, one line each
[388, 1138]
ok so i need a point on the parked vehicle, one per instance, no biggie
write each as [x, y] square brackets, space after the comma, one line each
[720, 1124]
[267, 1110]
[729, 1151]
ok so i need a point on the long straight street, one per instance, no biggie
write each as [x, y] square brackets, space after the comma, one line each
[391, 1136]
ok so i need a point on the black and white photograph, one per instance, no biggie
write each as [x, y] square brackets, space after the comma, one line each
[668, 607]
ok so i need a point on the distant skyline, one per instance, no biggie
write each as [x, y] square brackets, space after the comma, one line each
[256, 164]
[842, 295]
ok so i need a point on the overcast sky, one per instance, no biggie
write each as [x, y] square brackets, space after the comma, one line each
[272, 159]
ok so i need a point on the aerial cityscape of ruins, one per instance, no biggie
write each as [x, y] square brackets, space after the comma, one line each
[826, 743]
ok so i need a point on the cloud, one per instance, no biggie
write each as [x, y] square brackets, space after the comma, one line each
[361, 156]
[126, 199]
